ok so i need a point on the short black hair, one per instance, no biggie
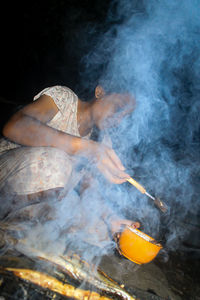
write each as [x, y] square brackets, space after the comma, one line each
[85, 89]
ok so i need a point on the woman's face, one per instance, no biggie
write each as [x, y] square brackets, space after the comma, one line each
[112, 108]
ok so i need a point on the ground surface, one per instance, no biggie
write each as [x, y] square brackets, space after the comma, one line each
[176, 279]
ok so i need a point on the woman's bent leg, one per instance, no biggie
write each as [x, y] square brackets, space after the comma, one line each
[31, 175]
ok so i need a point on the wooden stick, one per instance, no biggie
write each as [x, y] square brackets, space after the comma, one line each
[137, 185]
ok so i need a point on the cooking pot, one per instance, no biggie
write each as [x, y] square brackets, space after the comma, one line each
[138, 246]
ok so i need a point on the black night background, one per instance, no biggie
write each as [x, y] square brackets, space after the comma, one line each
[42, 43]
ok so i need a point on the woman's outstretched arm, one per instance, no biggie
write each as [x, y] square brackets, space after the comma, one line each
[29, 127]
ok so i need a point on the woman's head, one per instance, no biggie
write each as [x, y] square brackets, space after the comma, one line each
[110, 108]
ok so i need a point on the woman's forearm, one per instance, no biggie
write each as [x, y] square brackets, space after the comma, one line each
[28, 131]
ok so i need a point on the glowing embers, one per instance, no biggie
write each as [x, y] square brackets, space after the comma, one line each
[53, 284]
[67, 276]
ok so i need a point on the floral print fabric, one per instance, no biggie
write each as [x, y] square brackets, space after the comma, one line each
[27, 170]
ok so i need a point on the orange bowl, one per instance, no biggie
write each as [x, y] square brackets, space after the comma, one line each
[138, 246]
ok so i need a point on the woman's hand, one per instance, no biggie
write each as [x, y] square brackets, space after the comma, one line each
[108, 162]
[117, 226]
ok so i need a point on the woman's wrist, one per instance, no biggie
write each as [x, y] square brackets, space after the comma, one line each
[86, 148]
[72, 145]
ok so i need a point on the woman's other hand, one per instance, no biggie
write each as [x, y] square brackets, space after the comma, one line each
[117, 225]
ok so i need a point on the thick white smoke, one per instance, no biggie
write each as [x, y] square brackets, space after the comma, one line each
[152, 51]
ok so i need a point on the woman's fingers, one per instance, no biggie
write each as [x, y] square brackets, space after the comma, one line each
[114, 173]
[115, 159]
[112, 165]
[109, 164]
[117, 226]
[129, 223]
[135, 225]
[109, 175]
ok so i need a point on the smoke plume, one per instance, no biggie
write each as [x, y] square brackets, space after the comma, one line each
[151, 50]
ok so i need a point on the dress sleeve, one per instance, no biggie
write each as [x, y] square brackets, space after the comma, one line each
[62, 96]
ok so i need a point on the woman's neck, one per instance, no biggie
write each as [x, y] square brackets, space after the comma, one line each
[84, 117]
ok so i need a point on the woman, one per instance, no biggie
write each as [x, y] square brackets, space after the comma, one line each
[45, 140]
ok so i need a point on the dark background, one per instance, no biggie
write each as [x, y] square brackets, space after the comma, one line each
[42, 43]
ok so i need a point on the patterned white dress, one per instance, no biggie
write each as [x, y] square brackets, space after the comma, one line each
[27, 170]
